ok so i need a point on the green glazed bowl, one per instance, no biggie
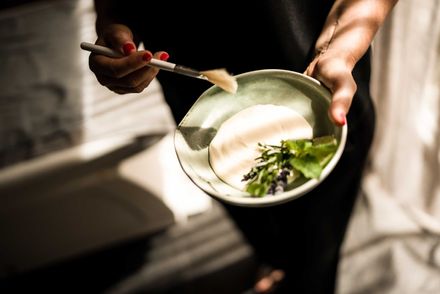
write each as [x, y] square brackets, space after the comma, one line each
[270, 86]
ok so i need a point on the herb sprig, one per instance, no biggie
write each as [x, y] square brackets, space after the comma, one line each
[280, 165]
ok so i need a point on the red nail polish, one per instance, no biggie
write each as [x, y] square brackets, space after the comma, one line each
[343, 119]
[147, 56]
[128, 48]
[164, 56]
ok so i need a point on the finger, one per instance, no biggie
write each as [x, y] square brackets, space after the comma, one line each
[139, 80]
[126, 90]
[343, 91]
[146, 75]
[134, 80]
[162, 55]
[311, 67]
[120, 91]
[118, 37]
[119, 67]
[336, 75]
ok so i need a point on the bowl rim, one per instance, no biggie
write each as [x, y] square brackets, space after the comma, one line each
[251, 201]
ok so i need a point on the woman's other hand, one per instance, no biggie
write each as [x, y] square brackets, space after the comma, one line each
[347, 34]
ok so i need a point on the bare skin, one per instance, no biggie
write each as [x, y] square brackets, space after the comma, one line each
[347, 34]
[129, 74]
[268, 283]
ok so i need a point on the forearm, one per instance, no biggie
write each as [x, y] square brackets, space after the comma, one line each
[351, 26]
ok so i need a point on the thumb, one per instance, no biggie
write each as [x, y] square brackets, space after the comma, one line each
[341, 101]
[120, 38]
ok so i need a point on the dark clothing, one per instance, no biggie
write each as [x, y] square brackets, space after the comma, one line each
[7, 4]
[303, 236]
[238, 35]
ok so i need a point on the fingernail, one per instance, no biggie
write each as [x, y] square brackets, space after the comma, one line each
[128, 48]
[147, 56]
[164, 56]
[343, 118]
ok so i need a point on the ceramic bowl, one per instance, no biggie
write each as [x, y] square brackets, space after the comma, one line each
[194, 133]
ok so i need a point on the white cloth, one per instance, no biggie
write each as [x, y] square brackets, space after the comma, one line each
[393, 243]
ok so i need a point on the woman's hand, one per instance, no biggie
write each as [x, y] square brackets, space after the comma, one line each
[335, 72]
[347, 33]
[130, 73]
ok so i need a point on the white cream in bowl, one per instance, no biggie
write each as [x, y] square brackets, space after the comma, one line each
[233, 150]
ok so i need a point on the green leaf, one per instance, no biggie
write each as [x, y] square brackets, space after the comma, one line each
[297, 146]
[257, 189]
[324, 140]
[308, 165]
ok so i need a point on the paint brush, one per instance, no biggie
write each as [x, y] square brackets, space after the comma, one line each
[219, 77]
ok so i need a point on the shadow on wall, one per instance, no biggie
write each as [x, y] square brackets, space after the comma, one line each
[40, 79]
[50, 100]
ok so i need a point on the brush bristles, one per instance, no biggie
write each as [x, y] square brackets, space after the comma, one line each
[221, 78]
